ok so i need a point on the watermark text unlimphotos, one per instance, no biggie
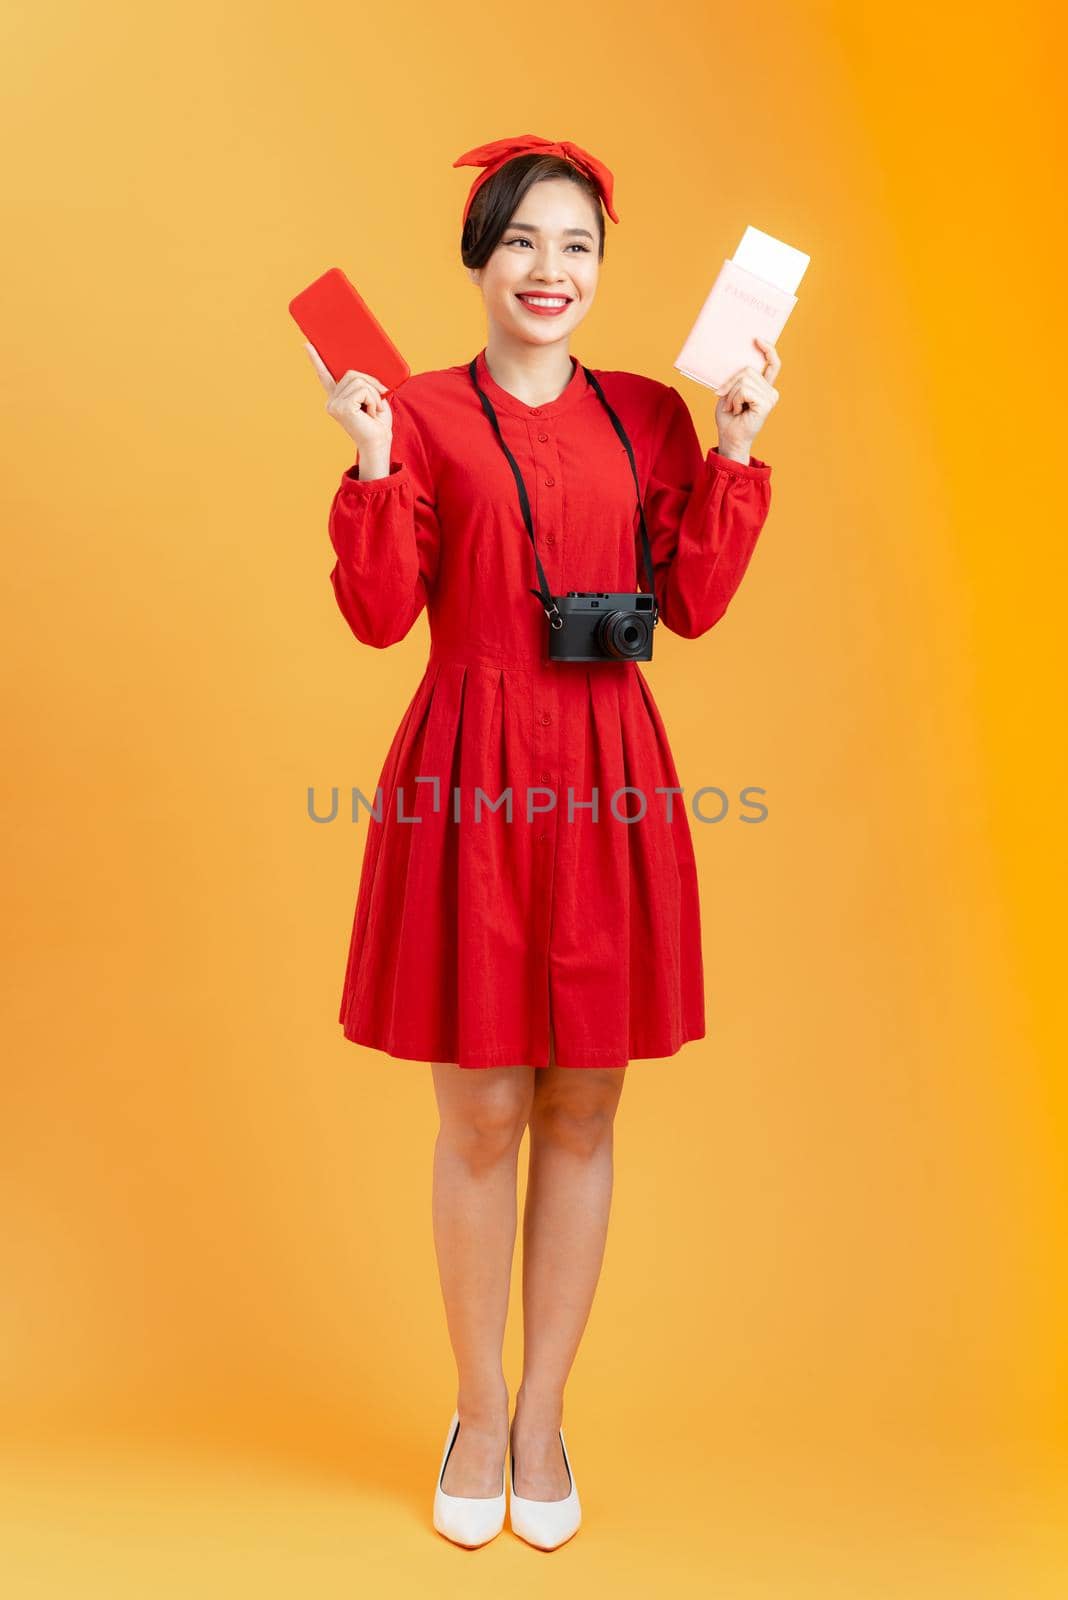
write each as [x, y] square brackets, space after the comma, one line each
[710, 803]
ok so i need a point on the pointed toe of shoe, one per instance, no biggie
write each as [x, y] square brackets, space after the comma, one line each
[466, 1520]
[546, 1524]
[469, 1522]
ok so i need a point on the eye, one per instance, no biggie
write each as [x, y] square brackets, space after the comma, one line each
[522, 239]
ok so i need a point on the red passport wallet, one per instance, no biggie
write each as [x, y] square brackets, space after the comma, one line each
[337, 320]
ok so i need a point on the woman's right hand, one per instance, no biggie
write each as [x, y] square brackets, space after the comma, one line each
[356, 402]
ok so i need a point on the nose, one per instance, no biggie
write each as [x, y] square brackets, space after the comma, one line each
[546, 268]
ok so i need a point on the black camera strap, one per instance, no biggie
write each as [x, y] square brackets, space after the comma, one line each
[543, 594]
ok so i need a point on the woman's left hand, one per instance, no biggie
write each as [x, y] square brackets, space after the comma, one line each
[743, 407]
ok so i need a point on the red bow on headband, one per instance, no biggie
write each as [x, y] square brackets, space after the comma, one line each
[493, 156]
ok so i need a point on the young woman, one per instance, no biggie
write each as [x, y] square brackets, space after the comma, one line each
[530, 950]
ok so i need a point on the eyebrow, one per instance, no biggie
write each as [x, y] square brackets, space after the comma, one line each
[528, 227]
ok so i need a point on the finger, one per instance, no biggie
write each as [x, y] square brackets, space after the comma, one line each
[745, 376]
[355, 390]
[359, 393]
[351, 382]
[370, 400]
[320, 366]
[758, 387]
[367, 376]
[751, 391]
[768, 395]
[752, 401]
[773, 361]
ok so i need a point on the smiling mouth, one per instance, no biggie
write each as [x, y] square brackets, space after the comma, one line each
[545, 305]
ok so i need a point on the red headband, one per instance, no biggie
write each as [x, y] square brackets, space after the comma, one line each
[493, 156]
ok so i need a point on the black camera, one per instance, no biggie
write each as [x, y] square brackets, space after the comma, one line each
[593, 626]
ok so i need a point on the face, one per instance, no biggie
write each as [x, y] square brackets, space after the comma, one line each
[548, 249]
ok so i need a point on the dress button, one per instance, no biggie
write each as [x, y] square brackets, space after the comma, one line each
[550, 539]
[543, 437]
[549, 482]
[543, 838]
[535, 411]
[546, 718]
[546, 777]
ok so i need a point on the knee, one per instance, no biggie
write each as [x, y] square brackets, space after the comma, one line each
[490, 1126]
[579, 1118]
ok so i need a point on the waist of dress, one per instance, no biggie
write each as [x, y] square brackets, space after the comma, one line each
[473, 655]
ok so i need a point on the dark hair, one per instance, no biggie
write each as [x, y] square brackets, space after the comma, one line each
[498, 199]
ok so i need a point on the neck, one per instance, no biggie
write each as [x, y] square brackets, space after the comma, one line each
[536, 374]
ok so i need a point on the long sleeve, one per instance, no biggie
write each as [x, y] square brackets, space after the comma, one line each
[704, 514]
[386, 539]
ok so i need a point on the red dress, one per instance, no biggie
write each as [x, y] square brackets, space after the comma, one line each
[471, 938]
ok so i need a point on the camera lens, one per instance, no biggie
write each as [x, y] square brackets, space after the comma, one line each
[622, 634]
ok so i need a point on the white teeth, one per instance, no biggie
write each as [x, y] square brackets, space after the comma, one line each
[542, 300]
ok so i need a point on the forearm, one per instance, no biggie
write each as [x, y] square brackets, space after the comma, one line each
[733, 454]
[373, 464]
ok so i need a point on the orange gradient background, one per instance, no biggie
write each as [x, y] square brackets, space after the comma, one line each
[828, 1350]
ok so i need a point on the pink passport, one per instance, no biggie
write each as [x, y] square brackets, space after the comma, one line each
[720, 342]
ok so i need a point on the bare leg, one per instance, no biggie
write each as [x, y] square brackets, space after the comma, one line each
[483, 1115]
[565, 1226]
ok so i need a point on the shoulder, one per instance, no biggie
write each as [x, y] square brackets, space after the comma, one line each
[433, 400]
[422, 392]
[644, 402]
[424, 407]
[634, 384]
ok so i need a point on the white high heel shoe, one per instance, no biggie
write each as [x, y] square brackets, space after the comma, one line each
[469, 1520]
[545, 1523]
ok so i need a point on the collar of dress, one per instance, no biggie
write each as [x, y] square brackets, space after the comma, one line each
[576, 389]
